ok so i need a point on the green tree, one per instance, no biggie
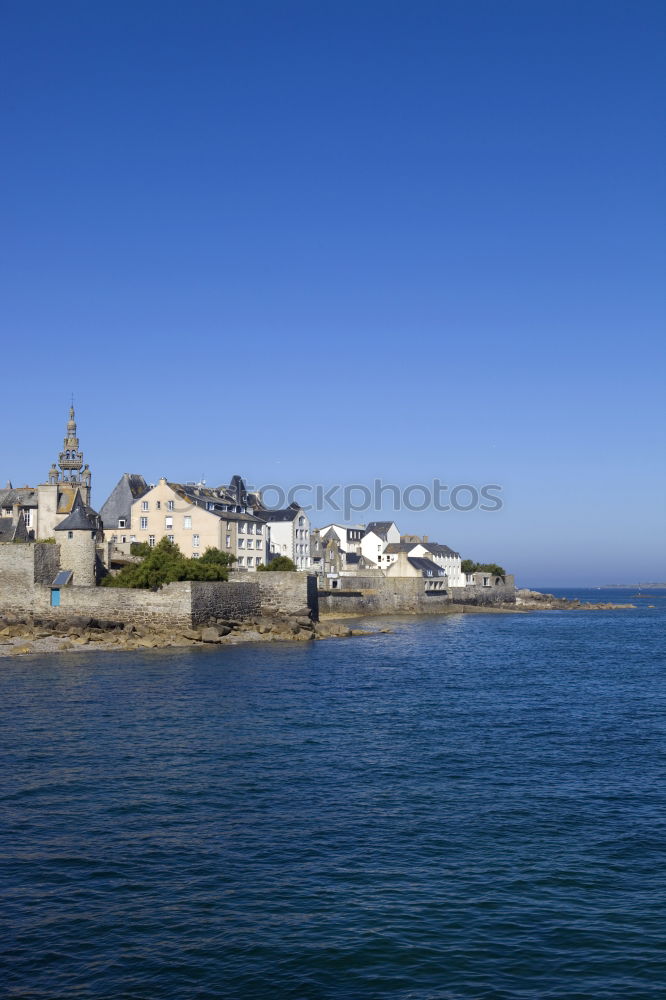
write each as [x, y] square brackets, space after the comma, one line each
[279, 564]
[165, 563]
[469, 566]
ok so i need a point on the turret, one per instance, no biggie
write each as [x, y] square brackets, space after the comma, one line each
[78, 535]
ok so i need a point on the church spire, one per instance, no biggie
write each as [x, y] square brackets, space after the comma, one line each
[71, 458]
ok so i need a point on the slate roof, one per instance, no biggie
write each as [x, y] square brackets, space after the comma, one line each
[82, 518]
[380, 528]
[200, 496]
[6, 529]
[439, 550]
[352, 558]
[393, 548]
[287, 514]
[129, 488]
[26, 496]
[427, 566]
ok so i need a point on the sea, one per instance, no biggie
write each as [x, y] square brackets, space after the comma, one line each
[473, 806]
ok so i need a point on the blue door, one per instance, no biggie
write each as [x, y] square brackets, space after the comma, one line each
[55, 597]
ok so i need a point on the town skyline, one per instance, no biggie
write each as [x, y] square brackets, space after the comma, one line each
[339, 245]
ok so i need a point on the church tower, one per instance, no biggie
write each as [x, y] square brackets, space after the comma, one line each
[71, 473]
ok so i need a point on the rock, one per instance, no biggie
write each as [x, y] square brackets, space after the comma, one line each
[210, 634]
[192, 633]
[224, 630]
[66, 644]
[304, 622]
[25, 648]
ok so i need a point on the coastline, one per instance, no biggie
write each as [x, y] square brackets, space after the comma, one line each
[24, 637]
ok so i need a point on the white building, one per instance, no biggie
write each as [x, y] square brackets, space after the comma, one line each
[289, 534]
[378, 534]
[349, 535]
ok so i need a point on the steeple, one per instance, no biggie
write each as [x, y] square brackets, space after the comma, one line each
[71, 459]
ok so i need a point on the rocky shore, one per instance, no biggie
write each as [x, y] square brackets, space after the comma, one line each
[21, 635]
[533, 600]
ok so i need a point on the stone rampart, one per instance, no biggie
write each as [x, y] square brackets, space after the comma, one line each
[285, 593]
[27, 571]
[405, 595]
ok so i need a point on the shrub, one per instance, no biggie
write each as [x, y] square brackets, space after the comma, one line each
[280, 564]
[164, 563]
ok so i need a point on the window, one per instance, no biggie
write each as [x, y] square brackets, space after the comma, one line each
[132, 538]
[249, 560]
[158, 504]
[70, 534]
[249, 529]
[171, 538]
[259, 560]
[144, 505]
[187, 521]
[170, 504]
[144, 524]
[229, 525]
[228, 541]
[241, 526]
[27, 516]
[241, 543]
[195, 541]
[240, 560]
[151, 541]
[168, 523]
[210, 506]
[195, 555]
[301, 521]
[121, 522]
[123, 538]
[259, 529]
[249, 543]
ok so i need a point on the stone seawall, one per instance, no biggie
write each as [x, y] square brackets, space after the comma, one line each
[285, 593]
[27, 571]
[406, 595]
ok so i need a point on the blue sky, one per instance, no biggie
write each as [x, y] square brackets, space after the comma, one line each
[334, 242]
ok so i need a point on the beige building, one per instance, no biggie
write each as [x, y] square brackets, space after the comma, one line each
[197, 518]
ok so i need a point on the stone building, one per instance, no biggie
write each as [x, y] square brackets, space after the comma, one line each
[78, 536]
[196, 517]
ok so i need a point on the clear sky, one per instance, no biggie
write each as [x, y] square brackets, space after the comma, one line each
[331, 242]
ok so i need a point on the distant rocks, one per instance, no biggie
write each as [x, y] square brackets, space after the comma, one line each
[533, 600]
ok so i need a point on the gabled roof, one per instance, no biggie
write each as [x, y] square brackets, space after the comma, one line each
[82, 518]
[393, 548]
[380, 528]
[129, 488]
[427, 566]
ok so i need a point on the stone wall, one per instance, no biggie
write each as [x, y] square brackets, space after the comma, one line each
[288, 593]
[22, 565]
[233, 600]
[405, 595]
[27, 571]
[501, 591]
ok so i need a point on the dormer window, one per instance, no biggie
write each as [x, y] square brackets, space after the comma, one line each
[121, 522]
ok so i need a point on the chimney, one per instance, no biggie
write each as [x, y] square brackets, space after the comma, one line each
[425, 538]
[16, 513]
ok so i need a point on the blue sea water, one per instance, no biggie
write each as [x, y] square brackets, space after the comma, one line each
[472, 807]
